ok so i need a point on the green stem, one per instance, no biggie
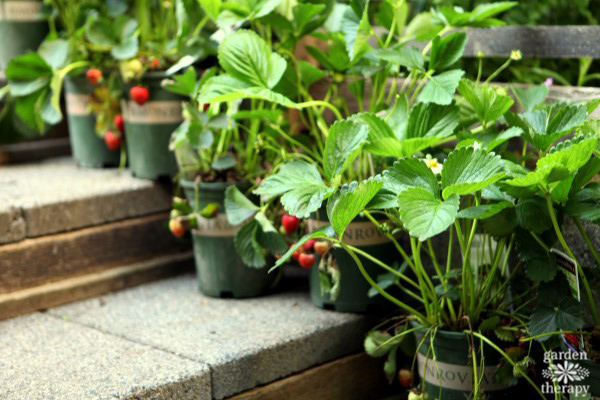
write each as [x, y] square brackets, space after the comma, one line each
[587, 239]
[314, 103]
[565, 246]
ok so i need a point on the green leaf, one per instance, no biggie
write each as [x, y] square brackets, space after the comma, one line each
[224, 88]
[531, 97]
[237, 206]
[409, 57]
[212, 8]
[585, 203]
[532, 214]
[484, 211]
[268, 237]
[467, 171]
[300, 184]
[422, 27]
[325, 232]
[552, 122]
[356, 32]
[125, 50]
[447, 50]
[381, 139]
[343, 143]
[247, 246]
[27, 67]
[585, 173]
[379, 343]
[410, 173]
[555, 311]
[540, 265]
[54, 52]
[493, 140]
[260, 8]
[223, 163]
[431, 120]
[424, 215]
[489, 103]
[20, 89]
[183, 84]
[247, 57]
[440, 88]
[310, 74]
[304, 13]
[352, 200]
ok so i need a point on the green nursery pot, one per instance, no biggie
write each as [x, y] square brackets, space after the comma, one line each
[221, 272]
[354, 288]
[22, 28]
[148, 129]
[450, 376]
[89, 149]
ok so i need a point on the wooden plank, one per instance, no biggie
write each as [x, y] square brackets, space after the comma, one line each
[567, 41]
[34, 150]
[356, 377]
[33, 262]
[91, 285]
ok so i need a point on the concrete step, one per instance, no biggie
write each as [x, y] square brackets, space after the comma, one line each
[164, 340]
[67, 233]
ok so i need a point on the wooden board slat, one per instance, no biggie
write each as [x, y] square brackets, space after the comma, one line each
[356, 377]
[34, 150]
[33, 262]
[568, 41]
[94, 284]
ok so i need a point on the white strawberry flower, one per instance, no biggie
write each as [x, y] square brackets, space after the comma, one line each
[477, 145]
[434, 165]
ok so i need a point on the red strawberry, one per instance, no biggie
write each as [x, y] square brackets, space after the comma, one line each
[113, 142]
[119, 122]
[321, 247]
[93, 75]
[296, 254]
[155, 63]
[306, 260]
[289, 223]
[405, 376]
[309, 245]
[206, 107]
[176, 228]
[139, 94]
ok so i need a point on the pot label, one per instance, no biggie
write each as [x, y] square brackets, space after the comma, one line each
[153, 112]
[455, 377]
[357, 234]
[21, 11]
[215, 227]
[78, 105]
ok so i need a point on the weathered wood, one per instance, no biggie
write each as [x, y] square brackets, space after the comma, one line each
[568, 41]
[357, 377]
[33, 262]
[94, 284]
[34, 150]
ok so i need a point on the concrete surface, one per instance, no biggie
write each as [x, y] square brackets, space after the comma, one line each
[58, 196]
[165, 340]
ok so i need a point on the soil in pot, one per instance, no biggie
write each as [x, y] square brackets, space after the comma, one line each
[221, 272]
[22, 28]
[354, 289]
[148, 129]
[450, 375]
[89, 149]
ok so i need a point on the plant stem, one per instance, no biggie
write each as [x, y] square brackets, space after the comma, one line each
[587, 239]
[565, 246]
[314, 103]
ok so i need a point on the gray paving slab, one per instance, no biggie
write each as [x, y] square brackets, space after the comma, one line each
[246, 342]
[46, 358]
[57, 196]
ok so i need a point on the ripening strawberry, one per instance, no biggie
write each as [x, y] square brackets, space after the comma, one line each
[296, 254]
[93, 75]
[113, 141]
[155, 63]
[176, 228]
[119, 123]
[405, 377]
[139, 94]
[289, 223]
[321, 247]
[306, 260]
[309, 245]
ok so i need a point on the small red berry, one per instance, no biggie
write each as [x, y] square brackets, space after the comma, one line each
[206, 107]
[289, 223]
[296, 254]
[155, 63]
[176, 228]
[93, 75]
[405, 376]
[113, 142]
[139, 94]
[119, 123]
[309, 245]
[306, 260]
[321, 247]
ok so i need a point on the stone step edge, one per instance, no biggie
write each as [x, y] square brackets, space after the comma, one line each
[94, 284]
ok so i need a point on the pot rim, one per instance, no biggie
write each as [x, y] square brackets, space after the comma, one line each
[210, 186]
